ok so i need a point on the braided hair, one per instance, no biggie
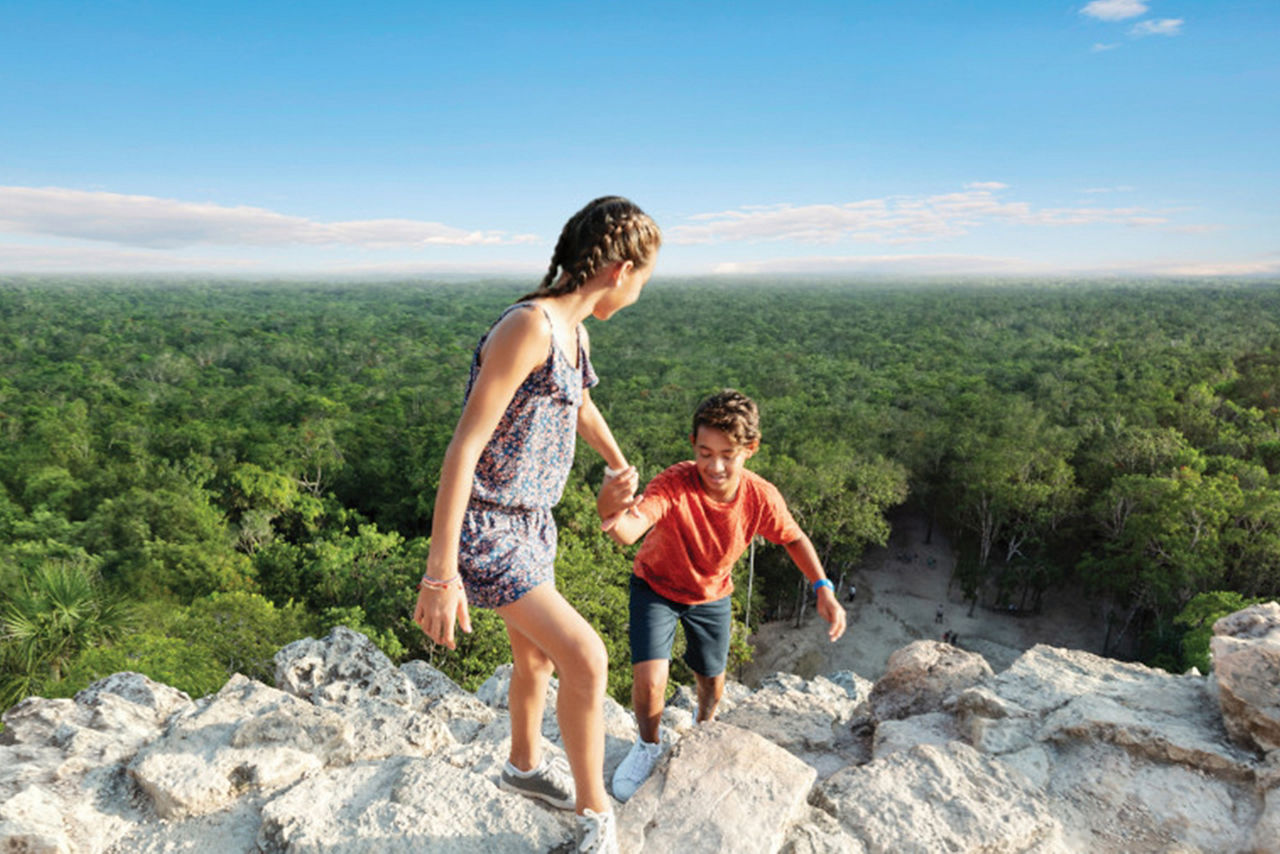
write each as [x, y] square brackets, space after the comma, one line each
[609, 230]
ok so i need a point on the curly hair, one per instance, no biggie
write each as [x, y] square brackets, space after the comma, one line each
[732, 412]
[608, 230]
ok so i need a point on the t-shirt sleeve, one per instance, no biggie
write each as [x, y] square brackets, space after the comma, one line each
[776, 522]
[659, 496]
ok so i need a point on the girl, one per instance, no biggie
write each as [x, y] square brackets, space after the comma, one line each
[493, 538]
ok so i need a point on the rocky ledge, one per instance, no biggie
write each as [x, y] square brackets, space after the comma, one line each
[1062, 752]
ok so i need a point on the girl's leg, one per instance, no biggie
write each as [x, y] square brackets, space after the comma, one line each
[527, 698]
[548, 622]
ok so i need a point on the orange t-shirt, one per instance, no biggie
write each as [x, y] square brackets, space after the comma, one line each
[689, 553]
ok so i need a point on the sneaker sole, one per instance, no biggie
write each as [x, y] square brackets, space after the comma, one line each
[547, 799]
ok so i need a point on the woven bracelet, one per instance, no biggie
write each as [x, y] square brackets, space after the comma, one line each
[437, 584]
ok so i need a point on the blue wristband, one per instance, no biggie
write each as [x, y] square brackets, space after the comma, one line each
[821, 583]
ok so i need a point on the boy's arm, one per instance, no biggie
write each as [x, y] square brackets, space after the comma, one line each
[805, 557]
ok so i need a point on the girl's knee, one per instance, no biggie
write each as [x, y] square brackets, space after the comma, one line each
[586, 669]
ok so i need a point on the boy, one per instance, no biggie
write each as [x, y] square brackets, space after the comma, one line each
[701, 516]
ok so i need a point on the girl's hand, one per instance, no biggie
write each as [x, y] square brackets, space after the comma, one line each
[831, 611]
[438, 610]
[617, 494]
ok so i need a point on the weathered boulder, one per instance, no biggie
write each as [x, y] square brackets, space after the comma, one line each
[337, 666]
[1246, 668]
[940, 798]
[931, 728]
[720, 789]
[407, 804]
[61, 780]
[1063, 751]
[247, 737]
[921, 676]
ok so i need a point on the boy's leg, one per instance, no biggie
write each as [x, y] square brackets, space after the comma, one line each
[710, 690]
[527, 698]
[652, 631]
[548, 621]
[649, 695]
[707, 629]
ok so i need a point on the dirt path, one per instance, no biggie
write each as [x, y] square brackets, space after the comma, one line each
[899, 589]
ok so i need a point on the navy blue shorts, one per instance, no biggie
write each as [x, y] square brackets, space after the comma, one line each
[706, 629]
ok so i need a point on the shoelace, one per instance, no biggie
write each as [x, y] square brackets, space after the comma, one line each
[597, 830]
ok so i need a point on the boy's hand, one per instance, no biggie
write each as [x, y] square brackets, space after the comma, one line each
[617, 494]
[831, 611]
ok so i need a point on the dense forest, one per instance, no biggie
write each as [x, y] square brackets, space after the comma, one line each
[193, 474]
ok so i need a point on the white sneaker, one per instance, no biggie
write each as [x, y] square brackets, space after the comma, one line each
[597, 833]
[635, 769]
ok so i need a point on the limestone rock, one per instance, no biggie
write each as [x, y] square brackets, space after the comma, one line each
[931, 728]
[247, 737]
[797, 714]
[819, 833]
[1246, 667]
[407, 804]
[811, 718]
[921, 676]
[442, 698]
[720, 789]
[940, 798]
[1110, 799]
[338, 667]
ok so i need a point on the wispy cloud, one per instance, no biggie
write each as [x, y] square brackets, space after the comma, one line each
[895, 219]
[1259, 267]
[1099, 47]
[986, 185]
[1114, 10]
[1162, 27]
[148, 222]
[882, 265]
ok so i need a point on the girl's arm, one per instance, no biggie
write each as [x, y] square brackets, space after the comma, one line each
[596, 433]
[516, 346]
[805, 557]
[592, 426]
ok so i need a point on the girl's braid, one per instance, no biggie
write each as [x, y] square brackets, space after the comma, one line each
[608, 230]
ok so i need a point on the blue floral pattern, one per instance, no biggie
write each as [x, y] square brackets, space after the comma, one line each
[508, 541]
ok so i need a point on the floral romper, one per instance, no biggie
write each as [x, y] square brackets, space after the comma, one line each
[508, 543]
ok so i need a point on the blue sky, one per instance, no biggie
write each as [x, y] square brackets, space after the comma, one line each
[1115, 136]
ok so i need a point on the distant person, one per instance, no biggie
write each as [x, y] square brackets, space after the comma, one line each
[853, 592]
[937, 615]
[700, 516]
[493, 538]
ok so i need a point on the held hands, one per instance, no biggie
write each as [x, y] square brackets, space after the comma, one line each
[439, 608]
[617, 495]
[831, 611]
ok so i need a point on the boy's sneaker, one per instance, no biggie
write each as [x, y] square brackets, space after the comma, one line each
[597, 833]
[551, 781]
[635, 769]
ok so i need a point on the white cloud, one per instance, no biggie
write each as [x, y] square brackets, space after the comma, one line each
[149, 222]
[986, 185]
[1162, 27]
[892, 220]
[1261, 267]
[1114, 10]
[1099, 47]
[881, 265]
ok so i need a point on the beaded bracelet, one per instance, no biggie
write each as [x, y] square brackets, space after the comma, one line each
[437, 584]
